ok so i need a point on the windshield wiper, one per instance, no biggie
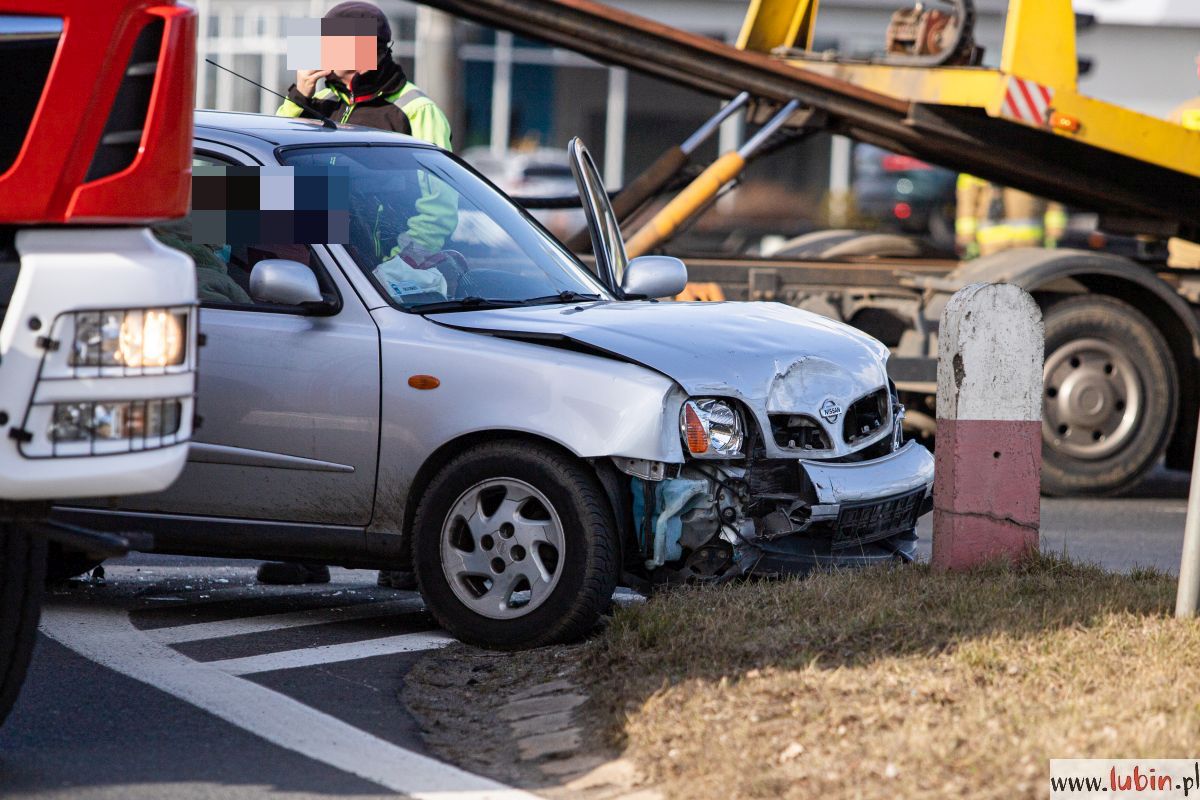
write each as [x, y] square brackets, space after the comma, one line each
[567, 296]
[472, 303]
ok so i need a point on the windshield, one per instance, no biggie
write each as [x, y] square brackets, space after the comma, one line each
[435, 237]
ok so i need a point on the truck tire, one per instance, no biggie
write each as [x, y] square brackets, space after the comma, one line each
[1111, 397]
[515, 546]
[22, 560]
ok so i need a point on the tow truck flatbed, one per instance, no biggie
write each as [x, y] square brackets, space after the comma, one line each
[1143, 174]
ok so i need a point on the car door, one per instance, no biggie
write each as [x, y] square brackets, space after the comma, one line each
[288, 399]
[607, 242]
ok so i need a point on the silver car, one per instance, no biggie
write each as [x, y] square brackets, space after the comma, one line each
[522, 430]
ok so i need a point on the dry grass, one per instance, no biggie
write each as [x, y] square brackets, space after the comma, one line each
[897, 683]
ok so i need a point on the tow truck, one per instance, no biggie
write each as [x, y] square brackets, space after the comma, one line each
[98, 332]
[1122, 378]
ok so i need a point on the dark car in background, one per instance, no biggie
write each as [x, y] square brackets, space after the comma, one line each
[903, 194]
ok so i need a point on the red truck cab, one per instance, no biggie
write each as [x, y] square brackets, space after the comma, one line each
[97, 318]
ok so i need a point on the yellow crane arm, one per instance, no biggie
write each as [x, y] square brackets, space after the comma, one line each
[778, 23]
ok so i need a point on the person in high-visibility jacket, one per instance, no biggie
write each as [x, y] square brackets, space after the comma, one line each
[381, 98]
[992, 218]
[384, 98]
[971, 208]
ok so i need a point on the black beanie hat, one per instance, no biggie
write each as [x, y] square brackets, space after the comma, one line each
[355, 9]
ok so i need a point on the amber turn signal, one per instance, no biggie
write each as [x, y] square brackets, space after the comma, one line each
[697, 437]
[424, 382]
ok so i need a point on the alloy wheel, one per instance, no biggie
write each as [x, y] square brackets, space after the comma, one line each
[502, 548]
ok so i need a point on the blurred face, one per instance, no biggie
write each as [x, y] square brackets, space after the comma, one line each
[342, 47]
[357, 55]
[349, 54]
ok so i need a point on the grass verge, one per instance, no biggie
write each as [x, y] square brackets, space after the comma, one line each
[895, 682]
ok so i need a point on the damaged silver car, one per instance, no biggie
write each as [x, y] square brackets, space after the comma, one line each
[453, 392]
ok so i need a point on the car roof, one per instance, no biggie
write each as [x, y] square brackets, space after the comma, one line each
[293, 130]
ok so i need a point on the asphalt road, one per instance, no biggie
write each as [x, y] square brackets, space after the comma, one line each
[181, 678]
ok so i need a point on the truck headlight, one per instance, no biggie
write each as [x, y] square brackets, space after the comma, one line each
[147, 337]
[108, 421]
[712, 428]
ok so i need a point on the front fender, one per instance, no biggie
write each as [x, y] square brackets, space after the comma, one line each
[590, 405]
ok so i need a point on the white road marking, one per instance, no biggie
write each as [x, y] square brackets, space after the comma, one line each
[332, 653]
[107, 637]
[197, 631]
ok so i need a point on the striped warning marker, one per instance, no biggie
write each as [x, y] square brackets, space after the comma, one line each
[988, 462]
[1028, 102]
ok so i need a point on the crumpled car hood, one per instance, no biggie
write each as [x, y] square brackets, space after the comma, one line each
[771, 355]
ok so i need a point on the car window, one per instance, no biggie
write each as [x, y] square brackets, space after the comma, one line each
[427, 229]
[223, 270]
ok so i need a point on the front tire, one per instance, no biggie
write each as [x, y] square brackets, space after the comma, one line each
[22, 565]
[1110, 397]
[515, 546]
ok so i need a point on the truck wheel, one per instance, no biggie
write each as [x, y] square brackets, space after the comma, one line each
[515, 546]
[22, 561]
[1111, 396]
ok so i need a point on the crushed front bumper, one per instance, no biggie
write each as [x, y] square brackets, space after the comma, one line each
[777, 516]
[864, 513]
[899, 472]
[885, 487]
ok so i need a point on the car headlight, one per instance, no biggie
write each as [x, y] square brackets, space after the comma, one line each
[146, 337]
[108, 421]
[712, 428]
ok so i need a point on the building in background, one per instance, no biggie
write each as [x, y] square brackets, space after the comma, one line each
[505, 92]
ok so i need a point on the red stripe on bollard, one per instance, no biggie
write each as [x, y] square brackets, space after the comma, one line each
[983, 507]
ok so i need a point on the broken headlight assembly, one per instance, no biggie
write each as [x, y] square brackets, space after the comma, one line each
[712, 428]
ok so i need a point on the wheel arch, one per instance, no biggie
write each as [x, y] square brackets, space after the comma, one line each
[1046, 273]
[606, 474]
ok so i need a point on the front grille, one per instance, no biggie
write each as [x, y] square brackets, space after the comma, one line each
[798, 432]
[27, 48]
[123, 131]
[865, 417]
[861, 523]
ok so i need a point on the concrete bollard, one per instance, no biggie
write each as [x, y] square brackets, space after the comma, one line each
[987, 489]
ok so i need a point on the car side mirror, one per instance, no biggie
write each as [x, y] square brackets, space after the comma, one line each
[280, 280]
[654, 276]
